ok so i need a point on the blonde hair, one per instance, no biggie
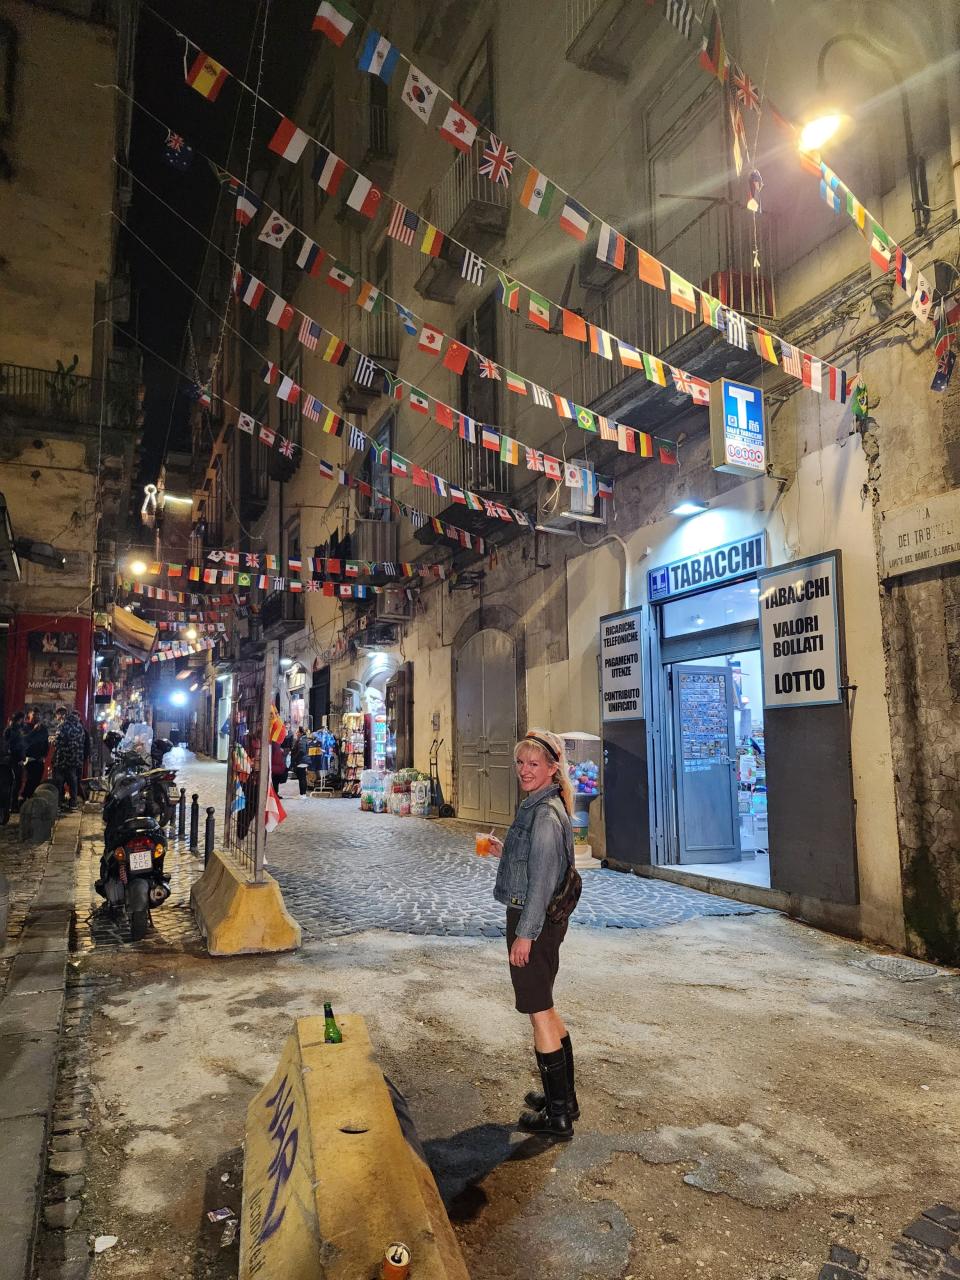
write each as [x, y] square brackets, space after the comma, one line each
[562, 771]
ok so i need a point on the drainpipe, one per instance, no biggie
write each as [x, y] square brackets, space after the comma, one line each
[951, 32]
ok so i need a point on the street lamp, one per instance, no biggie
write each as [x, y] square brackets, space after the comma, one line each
[191, 633]
[138, 567]
[829, 119]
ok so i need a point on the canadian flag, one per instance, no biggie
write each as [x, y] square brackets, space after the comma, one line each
[459, 127]
[275, 812]
[431, 339]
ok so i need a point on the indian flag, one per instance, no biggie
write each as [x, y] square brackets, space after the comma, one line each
[538, 193]
[515, 383]
[335, 19]
[370, 298]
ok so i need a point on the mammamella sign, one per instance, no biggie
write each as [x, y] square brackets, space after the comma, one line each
[800, 624]
[621, 669]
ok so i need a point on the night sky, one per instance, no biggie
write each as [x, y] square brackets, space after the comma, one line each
[228, 30]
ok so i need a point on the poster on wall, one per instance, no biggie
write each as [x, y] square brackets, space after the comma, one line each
[800, 633]
[51, 670]
[621, 669]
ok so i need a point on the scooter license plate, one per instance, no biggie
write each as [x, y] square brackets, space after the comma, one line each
[140, 860]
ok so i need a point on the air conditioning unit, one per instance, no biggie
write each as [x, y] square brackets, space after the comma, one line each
[560, 509]
[375, 540]
[394, 605]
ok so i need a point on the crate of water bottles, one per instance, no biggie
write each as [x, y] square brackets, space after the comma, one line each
[375, 789]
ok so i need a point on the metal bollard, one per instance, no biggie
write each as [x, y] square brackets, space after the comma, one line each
[195, 823]
[182, 814]
[208, 834]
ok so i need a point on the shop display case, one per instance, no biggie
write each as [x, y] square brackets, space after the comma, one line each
[354, 750]
[583, 756]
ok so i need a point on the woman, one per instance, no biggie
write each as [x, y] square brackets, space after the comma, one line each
[36, 744]
[300, 757]
[533, 863]
[278, 765]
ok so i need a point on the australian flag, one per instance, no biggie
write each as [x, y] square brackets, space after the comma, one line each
[176, 152]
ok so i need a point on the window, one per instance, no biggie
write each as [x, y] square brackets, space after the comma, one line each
[377, 474]
[475, 90]
[381, 333]
[378, 140]
[324, 131]
[478, 396]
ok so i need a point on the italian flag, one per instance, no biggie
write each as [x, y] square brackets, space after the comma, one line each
[335, 19]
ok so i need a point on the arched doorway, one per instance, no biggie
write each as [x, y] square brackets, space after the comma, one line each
[486, 717]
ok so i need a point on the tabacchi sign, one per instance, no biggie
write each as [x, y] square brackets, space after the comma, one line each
[800, 633]
[621, 668]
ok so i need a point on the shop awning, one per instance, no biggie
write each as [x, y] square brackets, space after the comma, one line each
[132, 634]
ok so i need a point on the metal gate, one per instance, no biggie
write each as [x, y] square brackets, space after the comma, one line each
[486, 703]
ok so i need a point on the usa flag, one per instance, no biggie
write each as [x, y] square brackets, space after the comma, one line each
[496, 161]
[403, 223]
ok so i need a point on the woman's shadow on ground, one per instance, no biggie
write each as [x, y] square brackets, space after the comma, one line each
[462, 1162]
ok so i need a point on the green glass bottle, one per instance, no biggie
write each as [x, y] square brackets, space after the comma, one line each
[331, 1032]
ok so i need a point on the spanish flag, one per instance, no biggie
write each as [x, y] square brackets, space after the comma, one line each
[207, 76]
[278, 730]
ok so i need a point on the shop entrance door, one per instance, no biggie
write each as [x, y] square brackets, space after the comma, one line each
[486, 706]
[706, 758]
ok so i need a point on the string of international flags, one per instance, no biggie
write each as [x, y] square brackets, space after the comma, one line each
[573, 474]
[379, 57]
[276, 231]
[247, 563]
[540, 195]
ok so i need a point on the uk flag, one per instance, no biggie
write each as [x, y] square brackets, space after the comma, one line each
[496, 162]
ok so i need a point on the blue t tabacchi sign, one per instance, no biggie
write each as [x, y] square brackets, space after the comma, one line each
[737, 428]
[707, 569]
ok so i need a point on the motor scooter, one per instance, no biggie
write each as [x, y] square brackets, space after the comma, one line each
[135, 844]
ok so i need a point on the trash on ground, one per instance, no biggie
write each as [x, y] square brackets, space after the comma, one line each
[229, 1233]
[103, 1243]
[219, 1215]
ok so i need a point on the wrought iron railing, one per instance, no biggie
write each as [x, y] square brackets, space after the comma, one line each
[379, 130]
[380, 333]
[716, 251]
[461, 186]
[62, 394]
[479, 470]
[576, 15]
[281, 607]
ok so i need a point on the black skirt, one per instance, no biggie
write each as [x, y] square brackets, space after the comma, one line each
[533, 982]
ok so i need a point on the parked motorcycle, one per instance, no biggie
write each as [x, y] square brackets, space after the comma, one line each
[135, 844]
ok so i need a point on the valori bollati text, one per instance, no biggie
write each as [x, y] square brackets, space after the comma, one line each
[796, 636]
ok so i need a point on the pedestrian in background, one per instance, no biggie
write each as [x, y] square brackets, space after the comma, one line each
[278, 765]
[68, 754]
[300, 757]
[11, 776]
[533, 863]
[36, 744]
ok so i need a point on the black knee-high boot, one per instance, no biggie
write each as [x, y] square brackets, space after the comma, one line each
[539, 1100]
[554, 1120]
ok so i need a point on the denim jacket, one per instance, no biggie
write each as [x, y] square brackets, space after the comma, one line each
[538, 847]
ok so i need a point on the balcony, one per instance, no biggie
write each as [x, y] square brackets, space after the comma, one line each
[483, 473]
[254, 484]
[603, 36]
[63, 397]
[281, 614]
[713, 251]
[470, 208]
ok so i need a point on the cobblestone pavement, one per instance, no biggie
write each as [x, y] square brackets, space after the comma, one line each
[342, 871]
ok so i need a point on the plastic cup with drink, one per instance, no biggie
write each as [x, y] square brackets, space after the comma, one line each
[487, 844]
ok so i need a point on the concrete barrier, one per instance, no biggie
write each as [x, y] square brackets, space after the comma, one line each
[328, 1178]
[237, 916]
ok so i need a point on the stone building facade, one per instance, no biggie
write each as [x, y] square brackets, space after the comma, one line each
[609, 100]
